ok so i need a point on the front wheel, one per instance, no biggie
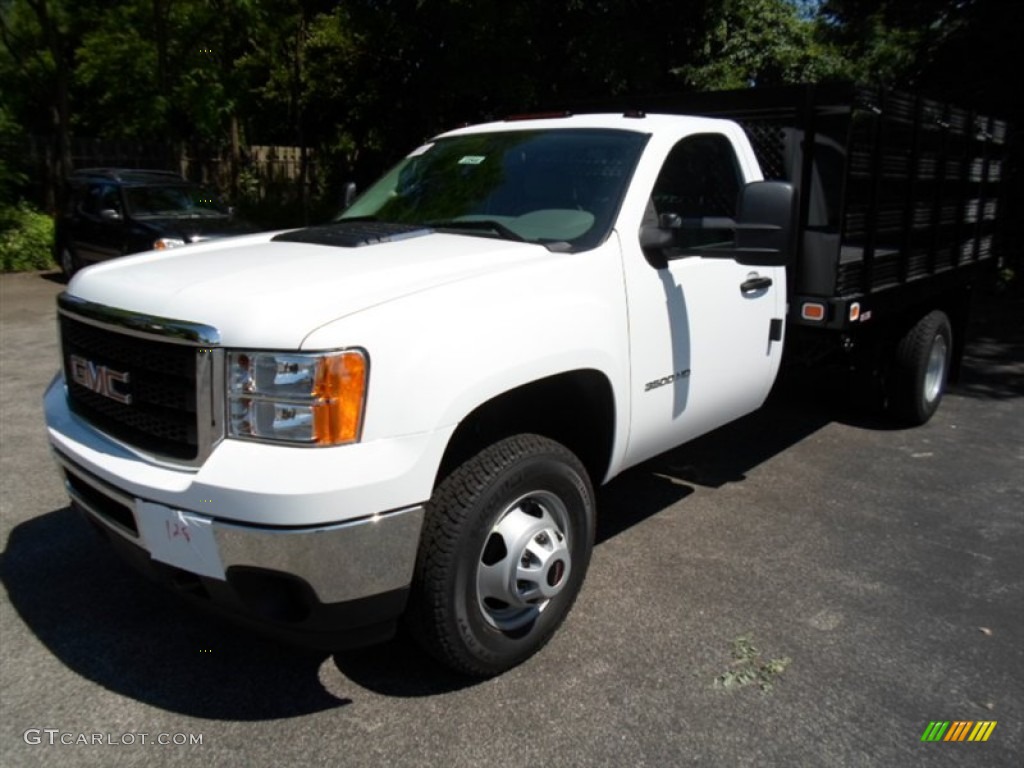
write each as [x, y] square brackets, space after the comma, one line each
[921, 369]
[505, 546]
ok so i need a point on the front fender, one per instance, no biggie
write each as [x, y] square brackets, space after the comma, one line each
[437, 355]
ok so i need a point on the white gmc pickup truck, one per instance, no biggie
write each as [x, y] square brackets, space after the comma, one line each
[403, 413]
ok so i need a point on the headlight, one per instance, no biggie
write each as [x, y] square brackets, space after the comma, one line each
[164, 243]
[307, 398]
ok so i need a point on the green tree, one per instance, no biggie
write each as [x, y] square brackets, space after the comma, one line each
[889, 42]
[761, 43]
[12, 178]
[38, 45]
[359, 82]
[184, 85]
[128, 39]
[957, 49]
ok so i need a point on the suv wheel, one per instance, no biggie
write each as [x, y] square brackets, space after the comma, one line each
[68, 262]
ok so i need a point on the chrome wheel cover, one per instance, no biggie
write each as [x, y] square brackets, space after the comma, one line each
[525, 561]
[935, 373]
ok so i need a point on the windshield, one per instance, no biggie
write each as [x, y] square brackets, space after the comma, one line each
[178, 200]
[559, 186]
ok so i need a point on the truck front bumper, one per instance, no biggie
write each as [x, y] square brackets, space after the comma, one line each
[286, 540]
[328, 586]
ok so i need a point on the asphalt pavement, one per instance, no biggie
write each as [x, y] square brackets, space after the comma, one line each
[870, 578]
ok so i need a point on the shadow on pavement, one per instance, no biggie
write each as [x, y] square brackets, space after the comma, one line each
[993, 366]
[399, 668]
[109, 624]
[54, 277]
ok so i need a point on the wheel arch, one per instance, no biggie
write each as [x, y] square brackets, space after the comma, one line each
[575, 408]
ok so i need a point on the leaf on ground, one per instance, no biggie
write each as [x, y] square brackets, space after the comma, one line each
[748, 667]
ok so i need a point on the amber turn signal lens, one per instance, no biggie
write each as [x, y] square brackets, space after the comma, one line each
[339, 394]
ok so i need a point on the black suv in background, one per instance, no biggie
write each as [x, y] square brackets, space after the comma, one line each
[111, 212]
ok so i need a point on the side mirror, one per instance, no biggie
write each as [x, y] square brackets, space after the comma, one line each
[670, 221]
[654, 239]
[764, 224]
[349, 195]
[109, 214]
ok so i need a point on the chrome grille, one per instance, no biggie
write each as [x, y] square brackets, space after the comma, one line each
[174, 380]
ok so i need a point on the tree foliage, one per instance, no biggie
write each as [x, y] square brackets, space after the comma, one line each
[751, 43]
[359, 82]
[962, 50]
[26, 239]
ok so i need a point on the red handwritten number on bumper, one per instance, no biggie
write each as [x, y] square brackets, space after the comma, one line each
[176, 530]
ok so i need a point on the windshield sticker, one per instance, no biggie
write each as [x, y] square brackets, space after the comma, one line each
[471, 160]
[421, 150]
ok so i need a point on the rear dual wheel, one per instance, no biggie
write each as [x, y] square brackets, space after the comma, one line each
[505, 546]
[920, 369]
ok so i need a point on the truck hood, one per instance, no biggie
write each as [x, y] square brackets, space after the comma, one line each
[263, 293]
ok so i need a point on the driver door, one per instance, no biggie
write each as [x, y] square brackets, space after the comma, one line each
[705, 331]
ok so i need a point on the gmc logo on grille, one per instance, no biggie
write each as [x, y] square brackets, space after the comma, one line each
[99, 378]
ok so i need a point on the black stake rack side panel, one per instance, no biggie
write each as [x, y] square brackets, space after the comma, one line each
[894, 188]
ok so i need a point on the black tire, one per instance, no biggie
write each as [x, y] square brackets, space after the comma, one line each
[921, 369]
[68, 261]
[523, 507]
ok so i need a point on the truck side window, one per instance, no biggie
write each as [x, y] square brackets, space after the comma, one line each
[701, 177]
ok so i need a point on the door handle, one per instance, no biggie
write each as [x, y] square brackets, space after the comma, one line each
[755, 283]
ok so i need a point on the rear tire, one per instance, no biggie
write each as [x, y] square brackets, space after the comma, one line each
[921, 369]
[505, 546]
